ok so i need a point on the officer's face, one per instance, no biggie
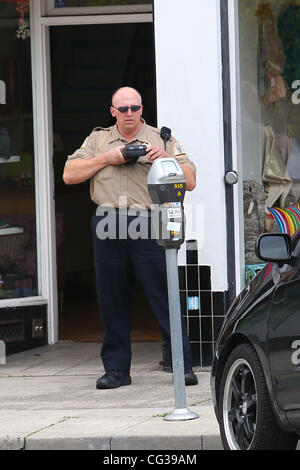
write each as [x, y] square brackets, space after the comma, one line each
[130, 121]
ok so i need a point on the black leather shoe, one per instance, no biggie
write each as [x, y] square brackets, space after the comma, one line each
[189, 377]
[113, 379]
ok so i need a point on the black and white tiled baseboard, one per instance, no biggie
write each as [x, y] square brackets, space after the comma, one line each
[203, 310]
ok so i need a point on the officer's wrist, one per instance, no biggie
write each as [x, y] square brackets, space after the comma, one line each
[102, 159]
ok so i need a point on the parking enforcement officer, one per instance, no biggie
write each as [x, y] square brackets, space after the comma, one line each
[115, 187]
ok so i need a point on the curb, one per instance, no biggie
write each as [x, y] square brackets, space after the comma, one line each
[133, 442]
[108, 430]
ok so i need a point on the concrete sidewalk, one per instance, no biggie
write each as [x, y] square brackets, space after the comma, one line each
[48, 400]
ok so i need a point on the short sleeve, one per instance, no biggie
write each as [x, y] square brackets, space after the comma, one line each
[176, 150]
[87, 149]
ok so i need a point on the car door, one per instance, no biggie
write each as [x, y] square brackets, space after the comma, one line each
[284, 335]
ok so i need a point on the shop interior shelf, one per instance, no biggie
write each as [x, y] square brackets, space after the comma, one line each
[11, 159]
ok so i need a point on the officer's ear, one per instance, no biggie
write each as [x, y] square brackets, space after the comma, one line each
[112, 112]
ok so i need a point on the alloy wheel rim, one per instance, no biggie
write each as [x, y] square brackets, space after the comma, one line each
[240, 406]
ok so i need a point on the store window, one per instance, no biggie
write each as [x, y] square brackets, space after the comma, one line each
[269, 44]
[18, 254]
[94, 7]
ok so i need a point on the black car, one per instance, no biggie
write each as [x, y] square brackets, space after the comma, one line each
[255, 377]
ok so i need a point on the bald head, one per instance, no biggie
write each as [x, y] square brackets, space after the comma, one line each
[129, 121]
[126, 93]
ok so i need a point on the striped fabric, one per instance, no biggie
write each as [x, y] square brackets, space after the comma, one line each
[288, 219]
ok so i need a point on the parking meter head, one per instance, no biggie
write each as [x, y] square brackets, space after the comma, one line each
[166, 186]
[166, 181]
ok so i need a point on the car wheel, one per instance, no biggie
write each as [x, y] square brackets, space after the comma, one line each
[246, 417]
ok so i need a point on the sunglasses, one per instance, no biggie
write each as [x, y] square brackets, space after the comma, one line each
[124, 109]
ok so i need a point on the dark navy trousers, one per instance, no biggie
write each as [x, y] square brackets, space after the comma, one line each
[117, 261]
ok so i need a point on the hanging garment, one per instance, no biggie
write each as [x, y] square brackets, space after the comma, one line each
[271, 58]
[274, 169]
[293, 164]
[289, 31]
[275, 172]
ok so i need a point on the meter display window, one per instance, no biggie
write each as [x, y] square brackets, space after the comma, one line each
[169, 167]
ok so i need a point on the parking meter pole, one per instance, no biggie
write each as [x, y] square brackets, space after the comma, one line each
[181, 412]
[166, 186]
[175, 328]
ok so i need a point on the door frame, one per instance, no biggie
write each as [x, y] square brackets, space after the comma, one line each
[235, 213]
[228, 161]
[43, 145]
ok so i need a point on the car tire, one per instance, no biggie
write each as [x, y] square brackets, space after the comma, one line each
[246, 417]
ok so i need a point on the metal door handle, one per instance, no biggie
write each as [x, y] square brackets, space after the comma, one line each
[231, 177]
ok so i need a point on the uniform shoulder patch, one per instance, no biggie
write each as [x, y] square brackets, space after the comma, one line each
[178, 149]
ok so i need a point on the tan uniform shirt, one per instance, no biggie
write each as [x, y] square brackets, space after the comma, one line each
[123, 186]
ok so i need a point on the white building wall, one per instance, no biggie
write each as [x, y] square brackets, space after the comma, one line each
[189, 101]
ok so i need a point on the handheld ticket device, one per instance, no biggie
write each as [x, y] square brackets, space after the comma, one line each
[166, 186]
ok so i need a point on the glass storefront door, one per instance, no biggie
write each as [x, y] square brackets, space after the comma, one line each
[18, 253]
[269, 57]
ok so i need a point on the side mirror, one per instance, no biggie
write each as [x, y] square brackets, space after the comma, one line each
[276, 247]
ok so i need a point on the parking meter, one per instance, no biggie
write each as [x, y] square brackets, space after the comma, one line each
[166, 186]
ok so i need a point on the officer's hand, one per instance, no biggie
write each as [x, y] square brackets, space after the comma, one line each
[114, 156]
[155, 152]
